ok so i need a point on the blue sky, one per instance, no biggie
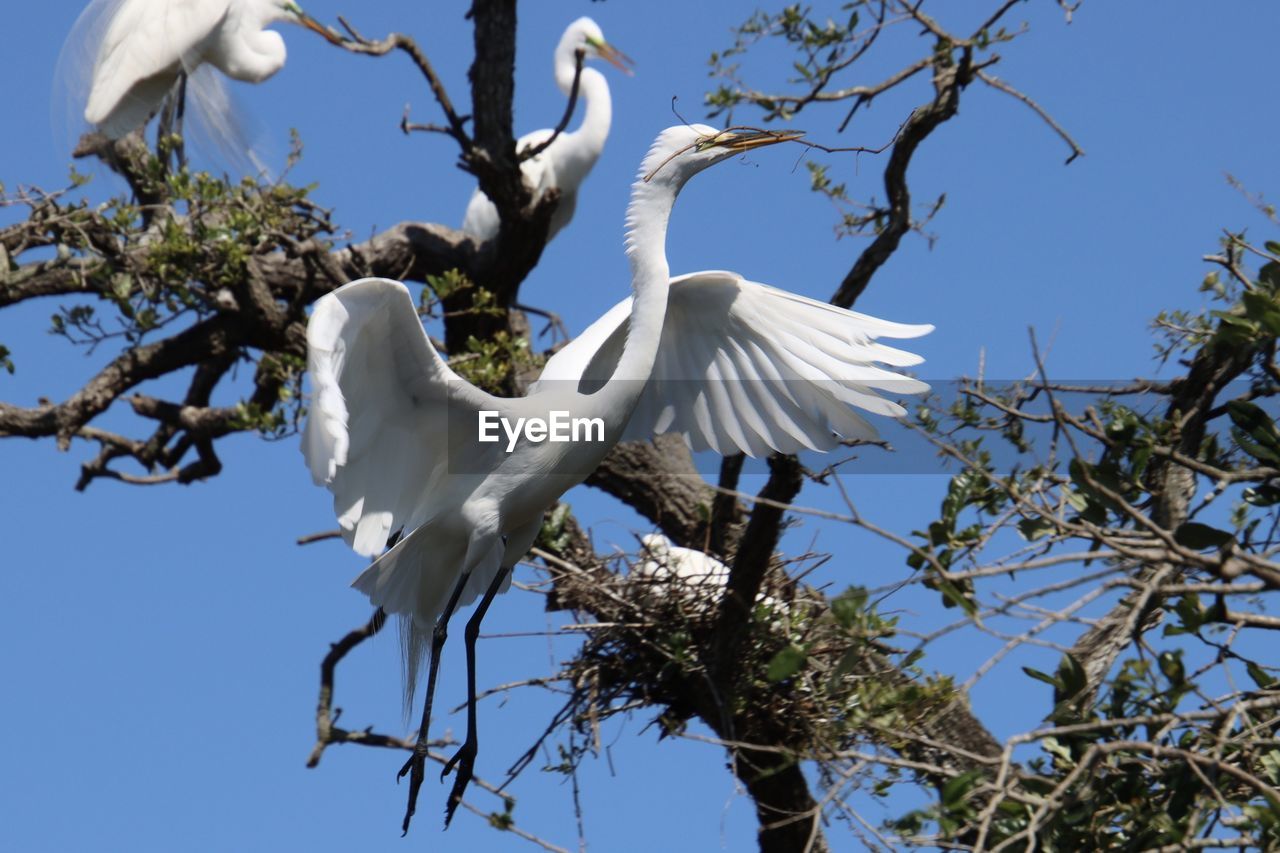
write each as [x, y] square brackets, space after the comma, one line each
[162, 644]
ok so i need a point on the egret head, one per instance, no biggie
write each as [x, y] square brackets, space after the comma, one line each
[655, 545]
[680, 152]
[585, 34]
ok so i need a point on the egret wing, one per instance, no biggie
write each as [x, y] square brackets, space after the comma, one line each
[745, 367]
[145, 45]
[389, 420]
[481, 218]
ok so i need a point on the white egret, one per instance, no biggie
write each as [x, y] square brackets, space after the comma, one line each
[396, 435]
[565, 163]
[697, 578]
[143, 48]
[664, 562]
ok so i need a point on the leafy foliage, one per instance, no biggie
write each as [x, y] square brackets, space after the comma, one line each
[1166, 491]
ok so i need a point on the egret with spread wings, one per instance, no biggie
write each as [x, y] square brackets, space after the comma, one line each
[393, 432]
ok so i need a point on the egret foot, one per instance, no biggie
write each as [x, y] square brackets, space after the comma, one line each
[464, 759]
[415, 767]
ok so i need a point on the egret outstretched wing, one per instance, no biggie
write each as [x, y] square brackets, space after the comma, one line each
[744, 367]
[388, 416]
[393, 431]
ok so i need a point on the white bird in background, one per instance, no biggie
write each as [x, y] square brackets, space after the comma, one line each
[697, 578]
[665, 562]
[393, 432]
[143, 48]
[566, 162]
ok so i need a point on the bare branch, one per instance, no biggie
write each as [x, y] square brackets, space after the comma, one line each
[534, 150]
[357, 43]
[996, 83]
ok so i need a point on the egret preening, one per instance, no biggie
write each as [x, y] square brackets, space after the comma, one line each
[143, 48]
[392, 431]
[565, 163]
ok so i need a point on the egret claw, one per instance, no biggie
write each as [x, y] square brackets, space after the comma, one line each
[415, 768]
[464, 760]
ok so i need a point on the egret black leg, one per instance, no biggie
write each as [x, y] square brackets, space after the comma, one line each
[177, 112]
[464, 758]
[181, 151]
[416, 765]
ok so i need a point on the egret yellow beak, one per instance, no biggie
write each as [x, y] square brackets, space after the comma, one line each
[613, 56]
[735, 140]
[312, 24]
[747, 139]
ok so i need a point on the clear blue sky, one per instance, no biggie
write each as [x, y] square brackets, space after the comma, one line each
[161, 645]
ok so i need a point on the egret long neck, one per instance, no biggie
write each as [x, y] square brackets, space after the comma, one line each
[581, 148]
[647, 218]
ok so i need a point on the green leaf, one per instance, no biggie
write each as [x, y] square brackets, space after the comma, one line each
[1034, 528]
[1268, 815]
[954, 596]
[1039, 784]
[1263, 495]
[843, 667]
[1271, 765]
[953, 793]
[1242, 323]
[1257, 451]
[786, 663]
[1171, 666]
[1190, 614]
[1258, 306]
[1249, 419]
[1201, 537]
[1269, 274]
[848, 607]
[1055, 748]
[1071, 675]
[1043, 676]
[1260, 676]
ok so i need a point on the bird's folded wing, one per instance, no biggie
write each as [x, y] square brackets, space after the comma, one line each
[538, 173]
[144, 41]
[388, 420]
[747, 367]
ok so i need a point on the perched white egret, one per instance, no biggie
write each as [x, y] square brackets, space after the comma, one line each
[142, 48]
[694, 576]
[396, 435]
[565, 163]
[663, 561]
